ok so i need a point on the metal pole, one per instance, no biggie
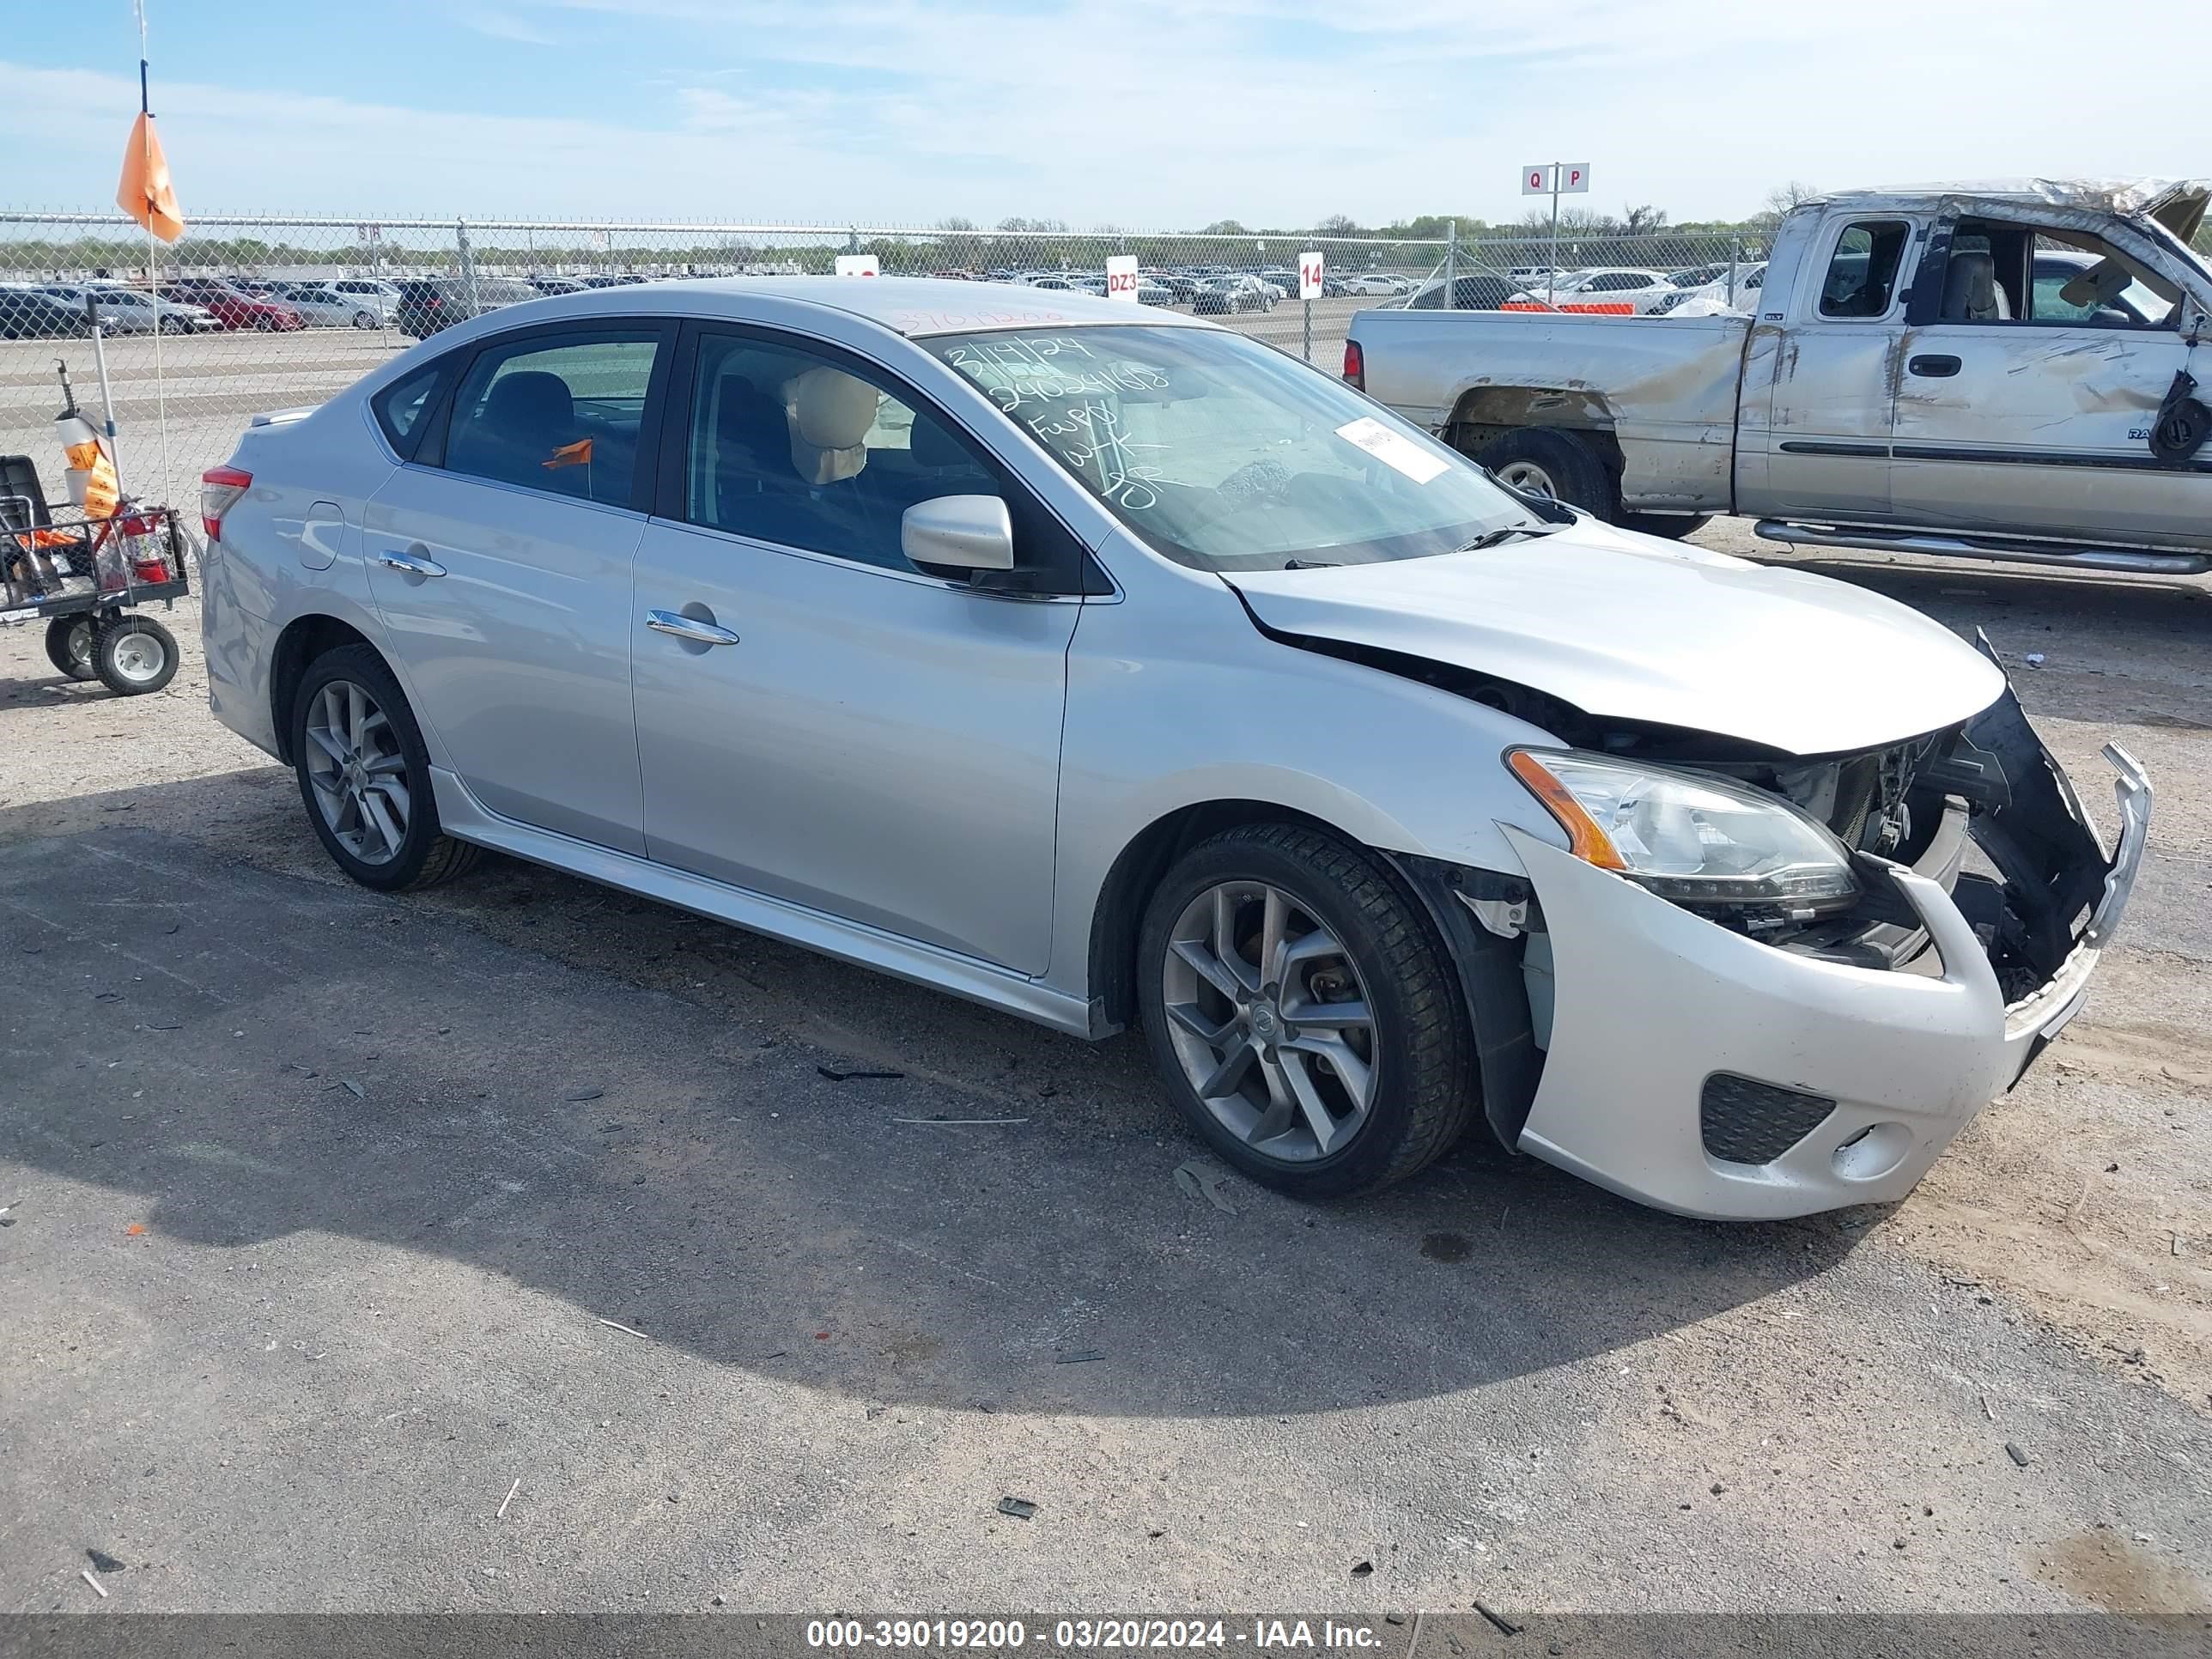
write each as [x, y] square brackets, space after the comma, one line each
[1308, 306]
[1736, 250]
[107, 402]
[468, 265]
[1551, 276]
[1451, 265]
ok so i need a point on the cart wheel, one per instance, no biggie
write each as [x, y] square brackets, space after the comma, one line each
[134, 655]
[69, 646]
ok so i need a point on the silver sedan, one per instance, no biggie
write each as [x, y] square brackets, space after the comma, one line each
[1106, 666]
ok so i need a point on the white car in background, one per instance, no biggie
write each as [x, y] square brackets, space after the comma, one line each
[1609, 290]
[372, 288]
[1377, 282]
[152, 312]
[1715, 295]
[321, 306]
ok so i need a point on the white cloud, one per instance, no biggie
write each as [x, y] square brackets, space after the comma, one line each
[1176, 111]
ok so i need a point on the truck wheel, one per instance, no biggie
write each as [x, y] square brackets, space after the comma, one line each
[1671, 525]
[1303, 1012]
[133, 655]
[1545, 461]
[69, 646]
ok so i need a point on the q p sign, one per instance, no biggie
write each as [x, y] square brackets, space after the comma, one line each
[1122, 277]
[1574, 178]
[1309, 275]
[856, 264]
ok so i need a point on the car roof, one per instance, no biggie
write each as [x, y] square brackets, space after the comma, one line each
[915, 306]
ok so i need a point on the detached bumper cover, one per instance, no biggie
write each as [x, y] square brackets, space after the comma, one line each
[1653, 1002]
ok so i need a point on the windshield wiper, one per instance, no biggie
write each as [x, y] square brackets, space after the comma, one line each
[1506, 532]
[1308, 564]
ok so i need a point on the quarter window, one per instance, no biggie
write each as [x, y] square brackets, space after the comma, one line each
[790, 447]
[562, 417]
[399, 406]
[1862, 278]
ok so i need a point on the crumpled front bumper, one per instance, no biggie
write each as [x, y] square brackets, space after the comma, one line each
[1652, 1002]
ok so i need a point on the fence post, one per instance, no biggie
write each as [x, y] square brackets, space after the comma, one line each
[468, 264]
[1451, 263]
[1736, 255]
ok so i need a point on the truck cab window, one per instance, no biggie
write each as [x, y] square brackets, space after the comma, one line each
[1861, 275]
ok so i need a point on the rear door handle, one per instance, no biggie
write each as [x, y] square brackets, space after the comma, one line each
[1933, 368]
[688, 628]
[413, 563]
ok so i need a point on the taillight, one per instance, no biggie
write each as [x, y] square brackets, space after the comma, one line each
[221, 488]
[1355, 366]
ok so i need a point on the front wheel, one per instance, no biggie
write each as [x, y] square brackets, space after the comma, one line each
[69, 646]
[134, 655]
[365, 775]
[364, 319]
[1302, 1012]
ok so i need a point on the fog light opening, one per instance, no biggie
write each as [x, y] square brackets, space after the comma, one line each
[1873, 1152]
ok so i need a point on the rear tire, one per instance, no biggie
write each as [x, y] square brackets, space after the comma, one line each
[1546, 461]
[134, 655]
[374, 809]
[364, 319]
[1673, 526]
[69, 646]
[1338, 1061]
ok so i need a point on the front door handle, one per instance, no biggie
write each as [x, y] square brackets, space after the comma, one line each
[413, 563]
[688, 628]
[1937, 367]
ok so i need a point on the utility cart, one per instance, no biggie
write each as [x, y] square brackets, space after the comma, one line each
[83, 578]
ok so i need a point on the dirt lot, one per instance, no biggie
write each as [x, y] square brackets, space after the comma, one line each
[317, 1202]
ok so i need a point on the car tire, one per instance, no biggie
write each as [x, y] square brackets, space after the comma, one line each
[1286, 1115]
[1671, 527]
[266, 323]
[374, 812]
[1546, 461]
[364, 319]
[133, 655]
[69, 646]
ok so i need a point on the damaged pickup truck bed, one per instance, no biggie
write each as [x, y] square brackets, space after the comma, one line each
[1985, 373]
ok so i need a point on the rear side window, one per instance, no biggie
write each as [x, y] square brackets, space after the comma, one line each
[562, 415]
[1862, 278]
[400, 406]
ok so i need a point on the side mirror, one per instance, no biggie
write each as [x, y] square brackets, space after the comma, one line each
[958, 533]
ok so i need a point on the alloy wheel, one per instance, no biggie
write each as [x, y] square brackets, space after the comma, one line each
[358, 773]
[1270, 1021]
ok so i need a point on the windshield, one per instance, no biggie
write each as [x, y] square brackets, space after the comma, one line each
[1226, 454]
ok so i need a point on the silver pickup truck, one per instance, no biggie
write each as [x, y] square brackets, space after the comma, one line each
[2006, 373]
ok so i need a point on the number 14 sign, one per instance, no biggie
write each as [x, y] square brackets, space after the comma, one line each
[1309, 275]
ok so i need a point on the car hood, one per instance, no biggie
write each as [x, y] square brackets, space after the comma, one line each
[1626, 627]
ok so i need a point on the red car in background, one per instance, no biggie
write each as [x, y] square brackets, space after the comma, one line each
[232, 305]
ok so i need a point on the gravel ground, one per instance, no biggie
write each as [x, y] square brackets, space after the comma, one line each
[317, 1202]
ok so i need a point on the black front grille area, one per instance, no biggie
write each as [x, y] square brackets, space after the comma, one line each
[1746, 1122]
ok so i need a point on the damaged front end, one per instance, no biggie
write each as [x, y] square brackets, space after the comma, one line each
[1754, 1055]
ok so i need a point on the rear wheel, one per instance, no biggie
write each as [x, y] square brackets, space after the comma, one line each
[364, 319]
[133, 655]
[69, 646]
[1545, 461]
[1303, 1013]
[365, 775]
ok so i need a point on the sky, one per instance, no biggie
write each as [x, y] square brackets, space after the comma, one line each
[1152, 114]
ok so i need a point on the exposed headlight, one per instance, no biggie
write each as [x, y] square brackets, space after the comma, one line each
[1688, 837]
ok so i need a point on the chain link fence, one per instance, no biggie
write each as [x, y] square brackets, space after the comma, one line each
[250, 313]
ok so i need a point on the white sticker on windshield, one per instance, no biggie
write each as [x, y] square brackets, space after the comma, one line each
[1399, 453]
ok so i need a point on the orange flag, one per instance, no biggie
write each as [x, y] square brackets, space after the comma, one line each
[145, 192]
[575, 454]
